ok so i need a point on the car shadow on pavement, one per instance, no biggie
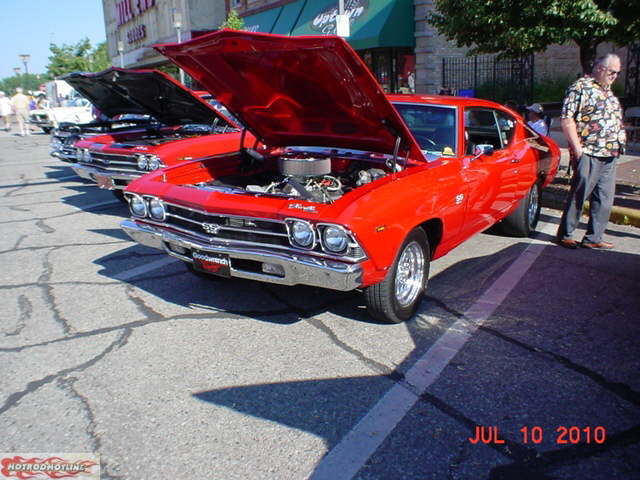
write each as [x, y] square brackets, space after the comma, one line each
[566, 363]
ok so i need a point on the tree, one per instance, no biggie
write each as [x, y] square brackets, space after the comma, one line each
[80, 57]
[233, 21]
[28, 81]
[522, 27]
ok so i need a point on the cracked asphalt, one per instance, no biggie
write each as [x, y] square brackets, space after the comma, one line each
[113, 348]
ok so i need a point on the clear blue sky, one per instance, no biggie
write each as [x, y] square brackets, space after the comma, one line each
[28, 26]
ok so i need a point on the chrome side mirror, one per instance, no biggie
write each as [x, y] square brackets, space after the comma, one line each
[482, 149]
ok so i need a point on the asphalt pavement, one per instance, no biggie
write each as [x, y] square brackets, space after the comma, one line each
[116, 349]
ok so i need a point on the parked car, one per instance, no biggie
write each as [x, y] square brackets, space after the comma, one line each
[356, 190]
[66, 134]
[76, 110]
[179, 125]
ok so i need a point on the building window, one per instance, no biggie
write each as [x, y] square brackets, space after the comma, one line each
[394, 68]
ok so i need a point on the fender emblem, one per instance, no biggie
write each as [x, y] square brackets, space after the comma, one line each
[459, 198]
[305, 208]
[211, 228]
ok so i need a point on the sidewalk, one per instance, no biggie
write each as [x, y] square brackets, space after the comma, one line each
[626, 204]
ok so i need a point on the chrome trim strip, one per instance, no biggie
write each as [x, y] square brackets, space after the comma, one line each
[299, 269]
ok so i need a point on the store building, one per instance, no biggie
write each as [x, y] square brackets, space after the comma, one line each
[133, 26]
[381, 31]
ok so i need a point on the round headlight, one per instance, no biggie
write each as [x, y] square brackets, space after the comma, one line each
[302, 234]
[335, 239]
[156, 209]
[153, 162]
[143, 163]
[79, 154]
[87, 155]
[138, 206]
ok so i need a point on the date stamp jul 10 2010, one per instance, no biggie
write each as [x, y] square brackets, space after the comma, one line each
[563, 435]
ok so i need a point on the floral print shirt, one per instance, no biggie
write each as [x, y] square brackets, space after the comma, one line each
[598, 116]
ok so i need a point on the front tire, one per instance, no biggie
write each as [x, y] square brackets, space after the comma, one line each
[396, 298]
[523, 220]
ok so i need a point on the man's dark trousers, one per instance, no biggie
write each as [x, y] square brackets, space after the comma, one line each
[594, 179]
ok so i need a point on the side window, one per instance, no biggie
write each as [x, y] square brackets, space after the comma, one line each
[481, 127]
[507, 126]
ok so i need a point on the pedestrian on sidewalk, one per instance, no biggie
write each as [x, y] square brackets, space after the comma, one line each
[20, 104]
[5, 111]
[591, 120]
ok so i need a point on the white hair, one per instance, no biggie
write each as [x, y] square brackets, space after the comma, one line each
[606, 59]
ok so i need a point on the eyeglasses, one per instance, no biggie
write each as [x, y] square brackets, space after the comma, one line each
[610, 72]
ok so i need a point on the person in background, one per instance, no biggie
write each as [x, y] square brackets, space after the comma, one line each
[5, 111]
[536, 121]
[20, 103]
[592, 122]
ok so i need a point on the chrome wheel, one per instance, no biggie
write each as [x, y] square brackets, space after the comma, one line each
[532, 212]
[409, 280]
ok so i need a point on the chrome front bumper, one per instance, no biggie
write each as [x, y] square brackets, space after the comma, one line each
[65, 157]
[98, 175]
[299, 269]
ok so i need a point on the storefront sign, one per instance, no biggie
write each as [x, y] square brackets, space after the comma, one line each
[137, 33]
[325, 21]
[129, 9]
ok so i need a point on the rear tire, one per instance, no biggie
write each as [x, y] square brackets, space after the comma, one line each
[396, 298]
[523, 220]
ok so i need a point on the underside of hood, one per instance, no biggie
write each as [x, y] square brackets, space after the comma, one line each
[305, 91]
[118, 91]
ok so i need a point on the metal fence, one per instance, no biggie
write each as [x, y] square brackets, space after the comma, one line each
[485, 76]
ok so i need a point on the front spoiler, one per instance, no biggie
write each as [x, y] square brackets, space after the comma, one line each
[99, 176]
[299, 269]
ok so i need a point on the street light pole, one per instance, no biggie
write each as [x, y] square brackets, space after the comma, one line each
[177, 24]
[25, 57]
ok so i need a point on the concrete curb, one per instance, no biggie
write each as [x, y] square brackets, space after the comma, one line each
[555, 197]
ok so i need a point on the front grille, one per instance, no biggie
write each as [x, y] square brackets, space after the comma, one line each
[113, 162]
[212, 227]
[228, 228]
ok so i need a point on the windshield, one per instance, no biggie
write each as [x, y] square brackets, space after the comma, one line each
[433, 126]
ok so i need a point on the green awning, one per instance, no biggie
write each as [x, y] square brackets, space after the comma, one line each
[374, 23]
[289, 17]
[263, 21]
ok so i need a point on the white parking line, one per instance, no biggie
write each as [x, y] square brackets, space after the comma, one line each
[353, 451]
[134, 272]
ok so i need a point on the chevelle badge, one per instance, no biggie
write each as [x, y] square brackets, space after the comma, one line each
[305, 208]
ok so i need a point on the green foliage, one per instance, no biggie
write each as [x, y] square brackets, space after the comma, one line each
[521, 27]
[29, 82]
[80, 57]
[233, 21]
[551, 89]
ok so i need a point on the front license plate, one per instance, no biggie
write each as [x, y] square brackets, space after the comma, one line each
[104, 182]
[214, 263]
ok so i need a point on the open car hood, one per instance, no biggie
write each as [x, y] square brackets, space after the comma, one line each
[118, 91]
[303, 91]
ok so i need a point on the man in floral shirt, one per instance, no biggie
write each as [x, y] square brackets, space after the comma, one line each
[592, 122]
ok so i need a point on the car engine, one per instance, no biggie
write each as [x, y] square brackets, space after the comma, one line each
[301, 176]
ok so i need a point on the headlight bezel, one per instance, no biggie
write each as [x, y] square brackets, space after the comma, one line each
[141, 161]
[131, 198]
[345, 235]
[148, 162]
[150, 208]
[291, 226]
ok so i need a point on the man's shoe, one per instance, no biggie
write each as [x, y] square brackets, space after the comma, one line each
[568, 243]
[600, 245]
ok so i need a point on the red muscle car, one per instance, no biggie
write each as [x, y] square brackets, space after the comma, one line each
[177, 125]
[356, 189]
